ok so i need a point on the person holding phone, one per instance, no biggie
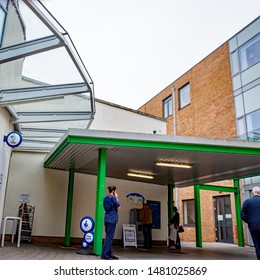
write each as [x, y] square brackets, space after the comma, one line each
[111, 205]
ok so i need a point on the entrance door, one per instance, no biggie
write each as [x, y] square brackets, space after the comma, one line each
[223, 219]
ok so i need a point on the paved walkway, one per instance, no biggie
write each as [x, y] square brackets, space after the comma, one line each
[209, 251]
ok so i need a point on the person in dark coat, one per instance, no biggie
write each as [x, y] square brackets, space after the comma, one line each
[111, 205]
[174, 224]
[250, 214]
[146, 219]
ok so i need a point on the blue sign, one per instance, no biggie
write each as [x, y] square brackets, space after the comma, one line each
[89, 237]
[135, 198]
[156, 213]
[13, 139]
[87, 225]
[84, 244]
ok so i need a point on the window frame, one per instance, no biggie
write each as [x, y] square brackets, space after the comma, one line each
[180, 99]
[167, 102]
[242, 49]
[185, 214]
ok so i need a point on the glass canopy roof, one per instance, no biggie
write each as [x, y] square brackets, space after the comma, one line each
[43, 81]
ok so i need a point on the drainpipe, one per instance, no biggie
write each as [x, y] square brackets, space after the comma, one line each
[174, 110]
[175, 133]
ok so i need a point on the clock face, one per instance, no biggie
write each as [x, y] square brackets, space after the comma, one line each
[13, 139]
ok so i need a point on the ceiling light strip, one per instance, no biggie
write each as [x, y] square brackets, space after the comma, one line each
[173, 164]
[139, 175]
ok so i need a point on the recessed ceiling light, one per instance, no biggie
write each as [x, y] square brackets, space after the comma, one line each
[140, 175]
[173, 164]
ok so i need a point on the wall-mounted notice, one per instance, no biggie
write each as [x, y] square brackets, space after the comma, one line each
[156, 212]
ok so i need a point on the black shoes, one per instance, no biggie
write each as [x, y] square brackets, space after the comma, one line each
[110, 258]
[114, 257]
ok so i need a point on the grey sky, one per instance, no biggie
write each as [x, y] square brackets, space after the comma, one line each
[135, 48]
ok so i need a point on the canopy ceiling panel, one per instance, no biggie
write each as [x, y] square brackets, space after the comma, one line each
[210, 159]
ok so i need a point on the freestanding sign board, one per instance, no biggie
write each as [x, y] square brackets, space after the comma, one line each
[87, 225]
[129, 235]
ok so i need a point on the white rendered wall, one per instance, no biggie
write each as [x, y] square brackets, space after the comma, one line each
[5, 154]
[48, 191]
[48, 188]
[116, 118]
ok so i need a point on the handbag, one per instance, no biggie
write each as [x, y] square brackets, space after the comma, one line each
[181, 229]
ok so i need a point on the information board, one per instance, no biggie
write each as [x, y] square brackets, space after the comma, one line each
[129, 235]
[156, 212]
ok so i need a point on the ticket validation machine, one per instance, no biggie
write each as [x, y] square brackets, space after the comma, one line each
[135, 220]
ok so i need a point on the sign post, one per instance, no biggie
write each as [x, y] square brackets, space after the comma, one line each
[87, 225]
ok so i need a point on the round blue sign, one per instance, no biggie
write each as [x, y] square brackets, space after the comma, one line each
[89, 237]
[87, 224]
[13, 139]
[84, 244]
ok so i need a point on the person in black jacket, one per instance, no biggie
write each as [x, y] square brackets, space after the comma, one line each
[250, 214]
[174, 224]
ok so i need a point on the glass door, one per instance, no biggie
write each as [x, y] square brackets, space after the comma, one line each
[223, 219]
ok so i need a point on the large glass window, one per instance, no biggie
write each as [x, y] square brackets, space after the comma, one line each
[184, 96]
[239, 106]
[249, 53]
[234, 63]
[252, 99]
[167, 107]
[241, 127]
[188, 212]
[253, 124]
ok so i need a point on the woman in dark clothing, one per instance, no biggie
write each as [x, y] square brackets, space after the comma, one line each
[175, 243]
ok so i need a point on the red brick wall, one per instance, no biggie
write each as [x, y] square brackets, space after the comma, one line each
[210, 114]
[211, 111]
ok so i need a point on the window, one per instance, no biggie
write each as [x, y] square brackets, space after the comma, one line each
[253, 124]
[251, 99]
[239, 106]
[167, 107]
[188, 212]
[184, 96]
[249, 53]
[234, 63]
[241, 126]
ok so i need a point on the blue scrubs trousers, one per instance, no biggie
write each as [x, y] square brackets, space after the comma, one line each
[107, 247]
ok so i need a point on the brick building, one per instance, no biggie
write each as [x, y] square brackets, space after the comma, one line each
[217, 98]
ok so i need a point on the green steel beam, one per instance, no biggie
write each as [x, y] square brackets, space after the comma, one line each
[56, 152]
[161, 145]
[198, 228]
[240, 232]
[106, 142]
[170, 201]
[100, 192]
[69, 208]
[217, 188]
